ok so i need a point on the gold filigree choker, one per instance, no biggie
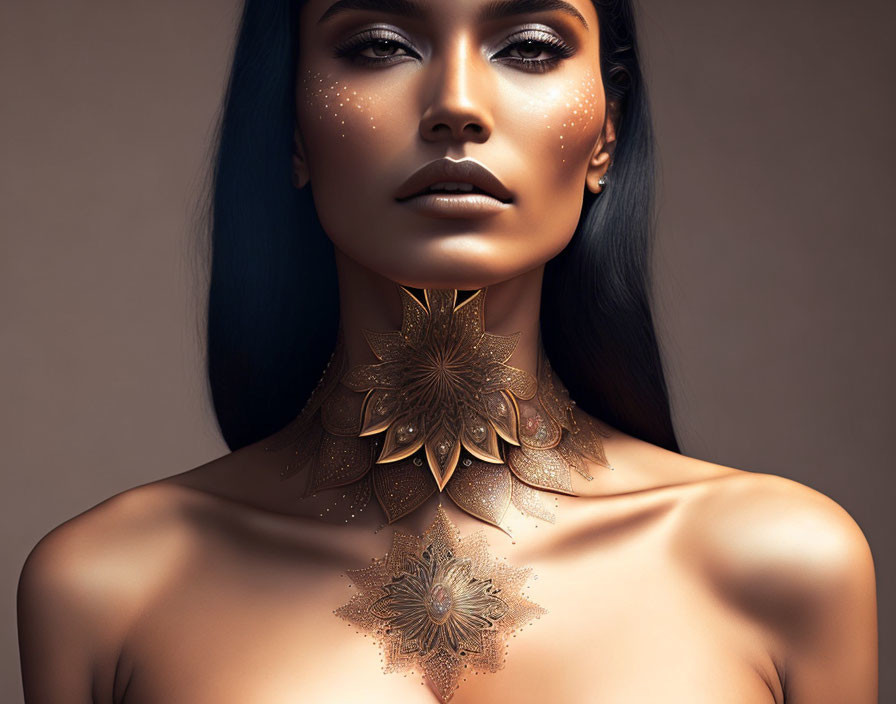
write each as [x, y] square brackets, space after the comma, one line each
[442, 411]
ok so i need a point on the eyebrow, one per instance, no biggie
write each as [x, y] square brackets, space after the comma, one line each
[493, 10]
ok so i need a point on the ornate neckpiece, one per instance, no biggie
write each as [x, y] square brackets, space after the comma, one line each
[442, 411]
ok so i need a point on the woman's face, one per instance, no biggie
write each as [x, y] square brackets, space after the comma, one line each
[385, 87]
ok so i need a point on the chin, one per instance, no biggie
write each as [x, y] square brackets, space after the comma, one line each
[465, 263]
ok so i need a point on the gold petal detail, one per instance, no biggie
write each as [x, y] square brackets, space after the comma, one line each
[469, 321]
[538, 430]
[519, 382]
[380, 411]
[414, 317]
[528, 500]
[440, 303]
[504, 414]
[479, 437]
[403, 438]
[483, 490]
[386, 375]
[401, 487]
[387, 346]
[443, 670]
[340, 412]
[553, 395]
[340, 461]
[442, 453]
[587, 441]
[499, 347]
[438, 603]
[543, 469]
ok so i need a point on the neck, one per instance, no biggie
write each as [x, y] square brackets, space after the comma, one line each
[369, 301]
[442, 395]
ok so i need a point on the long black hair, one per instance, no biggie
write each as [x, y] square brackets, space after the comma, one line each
[273, 301]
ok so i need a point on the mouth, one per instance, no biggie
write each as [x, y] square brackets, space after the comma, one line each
[448, 205]
[453, 190]
[447, 180]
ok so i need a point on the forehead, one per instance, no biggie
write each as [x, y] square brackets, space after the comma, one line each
[317, 13]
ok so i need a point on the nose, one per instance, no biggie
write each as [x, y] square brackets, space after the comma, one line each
[457, 108]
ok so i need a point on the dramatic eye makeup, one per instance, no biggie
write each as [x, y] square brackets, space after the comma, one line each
[521, 49]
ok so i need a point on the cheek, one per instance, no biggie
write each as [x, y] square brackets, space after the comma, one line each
[559, 127]
[563, 123]
[337, 120]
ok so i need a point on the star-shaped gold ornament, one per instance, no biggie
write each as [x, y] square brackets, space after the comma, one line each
[398, 429]
[439, 604]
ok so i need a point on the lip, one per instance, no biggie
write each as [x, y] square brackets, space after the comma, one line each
[445, 205]
[462, 171]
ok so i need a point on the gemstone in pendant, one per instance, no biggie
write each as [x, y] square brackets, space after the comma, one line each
[439, 603]
[478, 433]
[532, 424]
[405, 434]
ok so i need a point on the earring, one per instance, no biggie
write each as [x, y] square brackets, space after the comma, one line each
[603, 181]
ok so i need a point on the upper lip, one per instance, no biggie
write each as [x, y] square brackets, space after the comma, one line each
[463, 171]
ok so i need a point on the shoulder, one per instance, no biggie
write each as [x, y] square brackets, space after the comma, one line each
[112, 546]
[762, 533]
[84, 582]
[793, 560]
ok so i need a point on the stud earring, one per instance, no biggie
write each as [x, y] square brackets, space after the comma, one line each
[603, 181]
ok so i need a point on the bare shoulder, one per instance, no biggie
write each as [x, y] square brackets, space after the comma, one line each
[113, 547]
[766, 534]
[85, 580]
[795, 561]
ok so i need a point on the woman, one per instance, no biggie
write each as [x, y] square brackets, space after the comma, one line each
[480, 173]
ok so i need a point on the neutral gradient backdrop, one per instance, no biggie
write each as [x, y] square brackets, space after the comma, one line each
[774, 256]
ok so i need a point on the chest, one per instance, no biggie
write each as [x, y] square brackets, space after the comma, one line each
[624, 624]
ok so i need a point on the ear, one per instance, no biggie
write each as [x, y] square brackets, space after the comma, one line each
[300, 175]
[603, 151]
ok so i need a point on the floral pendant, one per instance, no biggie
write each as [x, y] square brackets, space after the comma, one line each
[440, 604]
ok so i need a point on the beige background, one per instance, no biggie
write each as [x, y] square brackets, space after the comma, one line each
[774, 257]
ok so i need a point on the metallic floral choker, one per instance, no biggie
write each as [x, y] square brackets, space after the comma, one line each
[442, 411]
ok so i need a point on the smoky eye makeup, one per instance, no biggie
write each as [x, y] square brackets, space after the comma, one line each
[532, 49]
[383, 44]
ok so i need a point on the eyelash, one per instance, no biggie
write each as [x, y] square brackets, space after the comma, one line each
[353, 47]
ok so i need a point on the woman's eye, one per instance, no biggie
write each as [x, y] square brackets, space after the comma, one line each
[528, 48]
[369, 48]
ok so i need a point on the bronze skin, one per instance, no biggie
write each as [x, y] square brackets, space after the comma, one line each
[381, 95]
[522, 95]
[667, 579]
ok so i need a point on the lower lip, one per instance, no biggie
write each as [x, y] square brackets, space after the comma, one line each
[466, 205]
